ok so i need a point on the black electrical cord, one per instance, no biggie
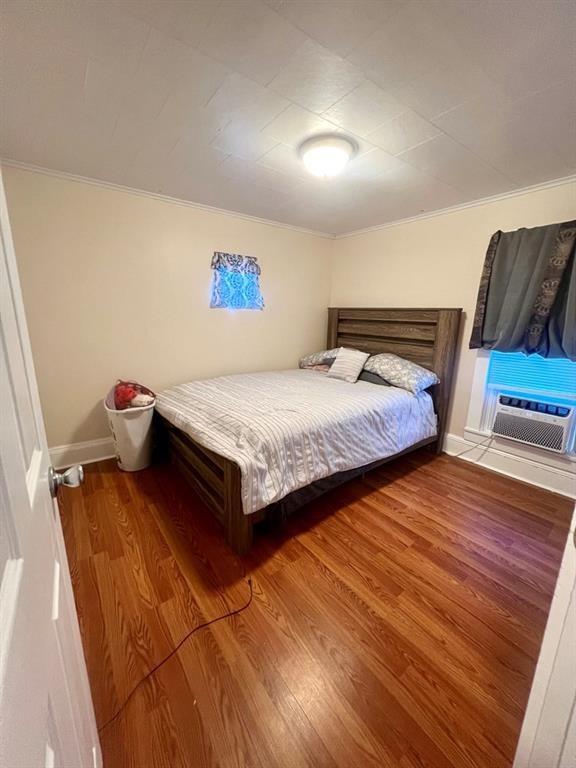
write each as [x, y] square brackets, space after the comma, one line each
[172, 652]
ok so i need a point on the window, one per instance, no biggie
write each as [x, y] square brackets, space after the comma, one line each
[533, 377]
[550, 379]
[235, 282]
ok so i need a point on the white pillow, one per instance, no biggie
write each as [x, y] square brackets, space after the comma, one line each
[348, 364]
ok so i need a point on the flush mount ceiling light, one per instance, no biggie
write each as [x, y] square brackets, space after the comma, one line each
[326, 156]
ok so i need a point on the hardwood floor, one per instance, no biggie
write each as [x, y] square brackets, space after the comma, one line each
[395, 622]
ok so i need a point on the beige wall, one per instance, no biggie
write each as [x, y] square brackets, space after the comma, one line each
[117, 285]
[437, 262]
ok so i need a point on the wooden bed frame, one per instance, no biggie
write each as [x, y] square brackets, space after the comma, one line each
[426, 336]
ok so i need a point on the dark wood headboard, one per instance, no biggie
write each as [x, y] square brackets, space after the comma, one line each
[426, 336]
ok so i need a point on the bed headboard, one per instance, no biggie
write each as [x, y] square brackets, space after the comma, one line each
[426, 336]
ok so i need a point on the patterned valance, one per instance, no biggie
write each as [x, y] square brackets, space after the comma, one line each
[235, 263]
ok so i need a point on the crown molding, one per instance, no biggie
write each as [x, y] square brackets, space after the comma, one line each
[159, 196]
[566, 180]
[463, 206]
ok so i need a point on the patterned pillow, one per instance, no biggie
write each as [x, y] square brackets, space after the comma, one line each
[401, 373]
[348, 364]
[326, 357]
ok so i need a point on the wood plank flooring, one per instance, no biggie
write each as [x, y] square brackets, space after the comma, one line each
[395, 623]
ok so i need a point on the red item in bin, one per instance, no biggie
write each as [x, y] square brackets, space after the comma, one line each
[130, 394]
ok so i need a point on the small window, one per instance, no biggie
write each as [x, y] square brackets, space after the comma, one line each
[235, 282]
[546, 380]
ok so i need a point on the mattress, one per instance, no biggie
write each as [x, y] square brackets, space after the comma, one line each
[287, 429]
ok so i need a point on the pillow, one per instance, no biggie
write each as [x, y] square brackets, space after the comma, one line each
[401, 373]
[326, 357]
[348, 364]
[373, 378]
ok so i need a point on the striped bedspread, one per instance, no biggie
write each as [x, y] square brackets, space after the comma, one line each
[286, 429]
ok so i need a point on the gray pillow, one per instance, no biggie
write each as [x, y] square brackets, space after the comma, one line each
[373, 378]
[401, 373]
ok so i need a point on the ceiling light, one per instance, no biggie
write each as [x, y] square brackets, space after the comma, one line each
[326, 156]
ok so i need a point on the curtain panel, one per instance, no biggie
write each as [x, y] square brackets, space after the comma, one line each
[527, 295]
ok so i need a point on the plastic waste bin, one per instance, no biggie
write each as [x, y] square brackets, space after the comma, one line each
[132, 436]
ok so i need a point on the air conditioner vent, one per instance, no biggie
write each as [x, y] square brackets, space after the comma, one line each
[527, 430]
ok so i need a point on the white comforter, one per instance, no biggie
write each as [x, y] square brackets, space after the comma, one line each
[286, 429]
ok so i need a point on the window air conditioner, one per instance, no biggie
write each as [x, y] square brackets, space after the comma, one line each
[545, 425]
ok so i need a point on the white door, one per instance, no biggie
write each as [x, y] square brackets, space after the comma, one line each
[46, 714]
[548, 736]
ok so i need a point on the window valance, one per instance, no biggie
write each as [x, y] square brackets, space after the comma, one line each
[235, 262]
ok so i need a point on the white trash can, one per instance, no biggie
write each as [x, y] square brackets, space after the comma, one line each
[132, 436]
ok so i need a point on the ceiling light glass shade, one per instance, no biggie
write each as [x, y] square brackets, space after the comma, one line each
[326, 156]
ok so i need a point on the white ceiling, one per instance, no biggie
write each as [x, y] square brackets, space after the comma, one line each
[208, 100]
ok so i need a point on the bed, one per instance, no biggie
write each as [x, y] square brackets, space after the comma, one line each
[253, 443]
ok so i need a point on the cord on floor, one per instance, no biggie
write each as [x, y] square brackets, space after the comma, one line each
[174, 651]
[486, 444]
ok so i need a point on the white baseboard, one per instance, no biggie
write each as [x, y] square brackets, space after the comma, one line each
[82, 453]
[521, 468]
